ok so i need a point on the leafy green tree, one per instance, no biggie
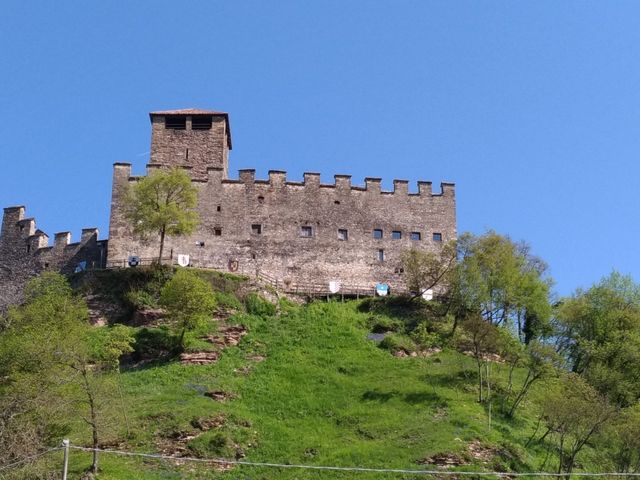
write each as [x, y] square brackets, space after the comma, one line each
[600, 336]
[574, 412]
[163, 203]
[189, 301]
[503, 283]
[427, 270]
[541, 362]
[622, 438]
[484, 340]
[50, 363]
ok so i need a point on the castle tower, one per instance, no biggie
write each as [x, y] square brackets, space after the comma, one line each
[191, 138]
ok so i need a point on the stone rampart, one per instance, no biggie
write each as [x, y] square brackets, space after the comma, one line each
[25, 252]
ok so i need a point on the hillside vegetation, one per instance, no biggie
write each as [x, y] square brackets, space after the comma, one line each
[396, 383]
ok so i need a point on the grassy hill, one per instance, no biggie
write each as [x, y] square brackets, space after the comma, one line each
[304, 385]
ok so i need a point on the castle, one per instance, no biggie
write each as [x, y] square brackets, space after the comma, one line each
[292, 232]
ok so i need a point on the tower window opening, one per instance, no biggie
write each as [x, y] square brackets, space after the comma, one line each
[175, 122]
[343, 234]
[256, 229]
[377, 233]
[437, 237]
[415, 236]
[396, 235]
[306, 231]
[381, 255]
[201, 122]
[217, 232]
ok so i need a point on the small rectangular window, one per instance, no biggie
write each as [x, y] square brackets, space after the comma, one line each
[415, 236]
[201, 122]
[175, 122]
[437, 237]
[217, 232]
[306, 231]
[396, 235]
[218, 208]
[343, 234]
[256, 229]
[381, 255]
[377, 233]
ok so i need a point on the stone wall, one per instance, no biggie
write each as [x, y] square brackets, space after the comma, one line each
[25, 252]
[230, 211]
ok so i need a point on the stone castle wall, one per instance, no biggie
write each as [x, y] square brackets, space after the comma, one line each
[25, 252]
[231, 210]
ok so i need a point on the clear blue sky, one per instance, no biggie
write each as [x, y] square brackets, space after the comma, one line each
[531, 108]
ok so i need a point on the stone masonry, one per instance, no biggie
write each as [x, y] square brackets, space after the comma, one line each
[25, 252]
[294, 232]
[299, 232]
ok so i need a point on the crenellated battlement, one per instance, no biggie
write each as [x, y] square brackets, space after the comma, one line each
[310, 180]
[19, 233]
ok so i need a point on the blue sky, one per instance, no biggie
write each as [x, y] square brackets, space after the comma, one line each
[531, 108]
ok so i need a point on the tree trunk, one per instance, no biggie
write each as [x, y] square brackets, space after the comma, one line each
[94, 420]
[162, 235]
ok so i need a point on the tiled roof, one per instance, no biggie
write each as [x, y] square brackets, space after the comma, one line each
[188, 111]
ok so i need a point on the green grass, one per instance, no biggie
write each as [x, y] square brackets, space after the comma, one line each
[323, 393]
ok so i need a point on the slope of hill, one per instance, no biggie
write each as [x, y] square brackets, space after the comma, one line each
[301, 385]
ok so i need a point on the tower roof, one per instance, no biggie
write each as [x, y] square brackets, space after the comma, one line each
[195, 111]
[188, 111]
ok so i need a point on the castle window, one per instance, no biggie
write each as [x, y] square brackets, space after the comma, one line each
[200, 244]
[437, 237]
[306, 231]
[28, 248]
[396, 235]
[201, 122]
[377, 233]
[415, 236]
[256, 229]
[381, 255]
[260, 199]
[218, 208]
[217, 232]
[337, 202]
[175, 122]
[343, 234]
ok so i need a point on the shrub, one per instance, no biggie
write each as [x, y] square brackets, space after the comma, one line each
[395, 341]
[141, 299]
[228, 301]
[257, 305]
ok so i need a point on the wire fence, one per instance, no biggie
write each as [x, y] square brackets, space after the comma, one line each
[327, 468]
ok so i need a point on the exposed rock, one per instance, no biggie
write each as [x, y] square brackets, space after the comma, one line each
[445, 460]
[199, 358]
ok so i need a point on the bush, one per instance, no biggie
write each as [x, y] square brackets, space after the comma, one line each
[228, 301]
[152, 342]
[424, 337]
[257, 305]
[384, 324]
[141, 299]
[395, 342]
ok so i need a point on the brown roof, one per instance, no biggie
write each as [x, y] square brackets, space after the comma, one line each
[188, 111]
[197, 111]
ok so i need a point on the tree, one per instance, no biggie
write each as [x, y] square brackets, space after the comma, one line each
[189, 301]
[542, 362]
[162, 203]
[425, 270]
[484, 340]
[50, 361]
[574, 412]
[503, 283]
[599, 332]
